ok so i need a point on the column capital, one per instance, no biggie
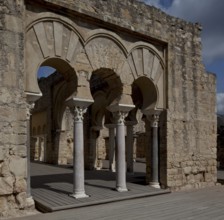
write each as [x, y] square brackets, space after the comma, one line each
[78, 107]
[78, 113]
[120, 112]
[119, 117]
[154, 120]
[29, 107]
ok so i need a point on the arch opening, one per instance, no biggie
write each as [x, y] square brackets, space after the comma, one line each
[144, 96]
[57, 81]
[144, 93]
[106, 88]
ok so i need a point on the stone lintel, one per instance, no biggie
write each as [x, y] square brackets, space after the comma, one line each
[150, 112]
[84, 103]
[120, 108]
[32, 97]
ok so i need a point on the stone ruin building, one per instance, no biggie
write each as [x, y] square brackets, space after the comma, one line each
[124, 66]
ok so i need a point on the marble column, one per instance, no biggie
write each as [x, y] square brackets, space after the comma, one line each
[129, 147]
[120, 160]
[78, 152]
[29, 108]
[154, 119]
[112, 166]
[93, 148]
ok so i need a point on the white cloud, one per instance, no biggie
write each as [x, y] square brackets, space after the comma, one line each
[220, 103]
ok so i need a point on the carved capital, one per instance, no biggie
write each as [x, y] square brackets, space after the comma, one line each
[154, 119]
[29, 108]
[119, 117]
[78, 113]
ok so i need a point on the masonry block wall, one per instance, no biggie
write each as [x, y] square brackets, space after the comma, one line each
[13, 116]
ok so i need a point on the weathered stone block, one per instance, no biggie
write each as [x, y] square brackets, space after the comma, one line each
[208, 177]
[3, 204]
[2, 154]
[21, 199]
[172, 171]
[20, 185]
[20, 151]
[17, 166]
[6, 185]
[187, 170]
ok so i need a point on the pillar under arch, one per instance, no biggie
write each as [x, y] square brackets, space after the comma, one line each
[30, 103]
[112, 158]
[129, 146]
[119, 114]
[78, 108]
[154, 124]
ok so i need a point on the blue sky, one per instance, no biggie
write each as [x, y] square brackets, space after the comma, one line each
[210, 14]
[45, 71]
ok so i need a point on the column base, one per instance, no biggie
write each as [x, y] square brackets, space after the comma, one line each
[79, 195]
[112, 169]
[120, 189]
[154, 185]
[30, 202]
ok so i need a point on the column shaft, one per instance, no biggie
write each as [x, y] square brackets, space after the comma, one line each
[78, 154]
[120, 160]
[155, 150]
[129, 147]
[112, 149]
[28, 157]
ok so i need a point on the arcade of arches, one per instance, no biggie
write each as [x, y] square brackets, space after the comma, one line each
[136, 87]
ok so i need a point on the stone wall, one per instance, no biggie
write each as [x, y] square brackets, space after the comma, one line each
[12, 110]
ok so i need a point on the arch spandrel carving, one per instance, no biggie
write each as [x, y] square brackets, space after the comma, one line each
[48, 39]
[103, 52]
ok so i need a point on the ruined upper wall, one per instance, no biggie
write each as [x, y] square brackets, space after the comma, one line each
[129, 14]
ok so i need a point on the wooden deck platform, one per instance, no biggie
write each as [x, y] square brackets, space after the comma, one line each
[52, 185]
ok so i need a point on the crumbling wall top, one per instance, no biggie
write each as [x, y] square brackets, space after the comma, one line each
[132, 15]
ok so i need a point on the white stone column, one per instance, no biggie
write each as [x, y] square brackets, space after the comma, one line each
[120, 160]
[78, 108]
[93, 148]
[120, 112]
[154, 119]
[78, 152]
[31, 99]
[41, 149]
[129, 147]
[29, 108]
[111, 128]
